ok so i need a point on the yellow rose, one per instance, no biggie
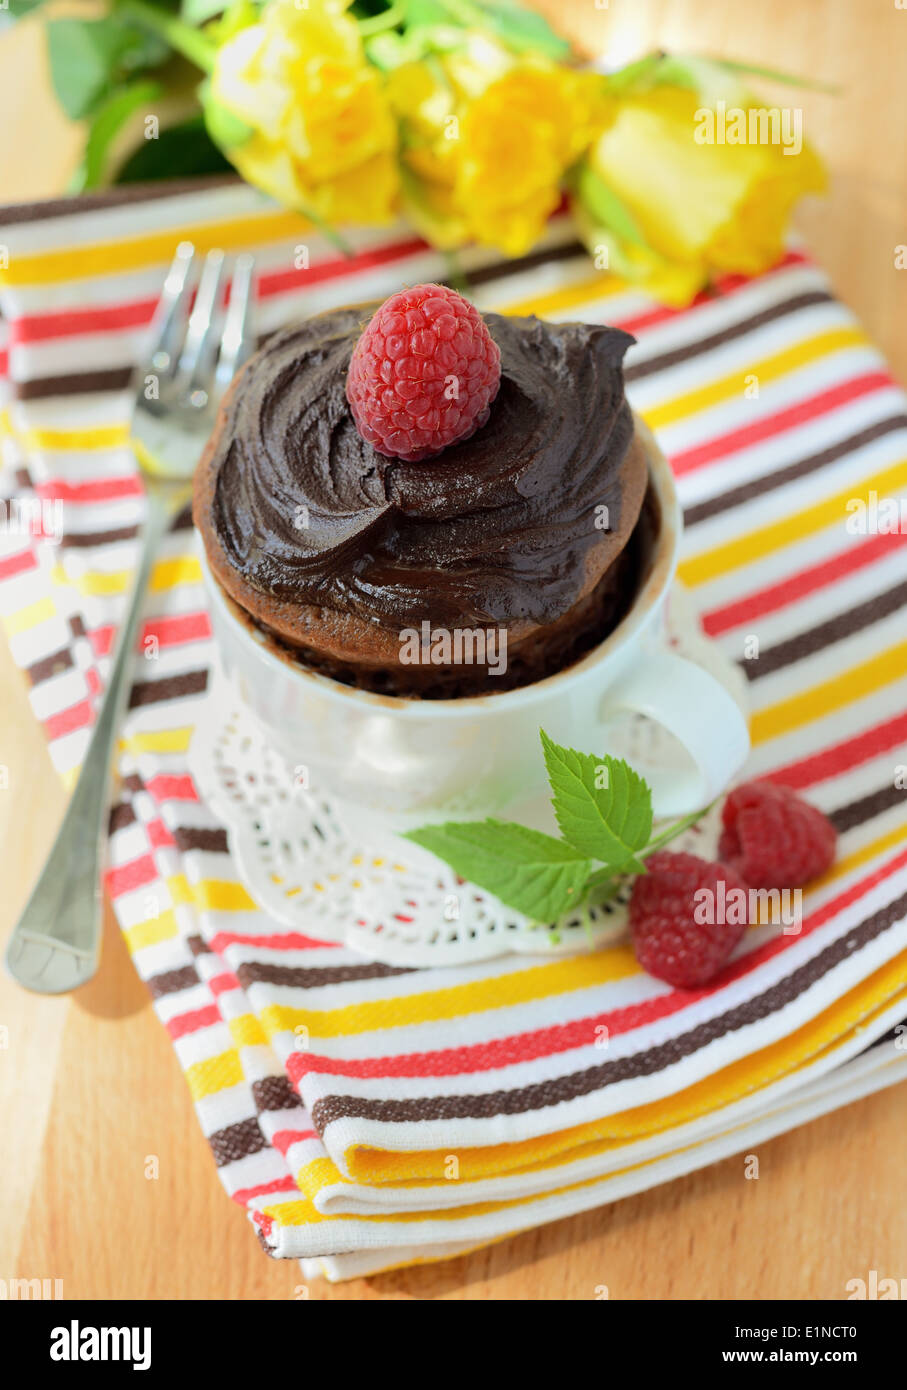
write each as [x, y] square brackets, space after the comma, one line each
[697, 208]
[486, 140]
[318, 133]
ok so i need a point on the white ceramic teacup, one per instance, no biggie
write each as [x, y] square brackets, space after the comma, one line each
[404, 762]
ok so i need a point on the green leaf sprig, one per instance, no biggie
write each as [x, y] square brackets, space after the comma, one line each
[603, 810]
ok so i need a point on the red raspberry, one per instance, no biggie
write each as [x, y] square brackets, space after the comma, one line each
[423, 374]
[668, 940]
[774, 838]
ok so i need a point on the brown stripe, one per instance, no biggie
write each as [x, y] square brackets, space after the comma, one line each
[815, 639]
[73, 383]
[183, 521]
[237, 1141]
[81, 540]
[652, 365]
[192, 837]
[582, 1083]
[274, 1093]
[172, 981]
[133, 782]
[168, 688]
[11, 214]
[121, 815]
[197, 946]
[502, 270]
[50, 666]
[736, 496]
[873, 804]
[76, 626]
[23, 478]
[257, 972]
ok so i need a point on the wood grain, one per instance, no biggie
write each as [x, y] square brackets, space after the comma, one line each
[89, 1085]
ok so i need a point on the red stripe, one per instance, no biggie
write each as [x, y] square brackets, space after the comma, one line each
[284, 1138]
[278, 941]
[718, 448]
[129, 876]
[797, 586]
[224, 983]
[78, 716]
[101, 639]
[184, 627]
[69, 323]
[841, 757]
[279, 281]
[170, 632]
[264, 1222]
[172, 788]
[107, 318]
[191, 1022]
[724, 287]
[17, 564]
[91, 490]
[93, 681]
[526, 1047]
[246, 1194]
[159, 835]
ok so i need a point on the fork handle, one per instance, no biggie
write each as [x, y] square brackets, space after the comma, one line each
[65, 906]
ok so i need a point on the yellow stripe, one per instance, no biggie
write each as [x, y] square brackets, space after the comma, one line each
[161, 741]
[96, 437]
[768, 369]
[819, 700]
[35, 613]
[167, 574]
[848, 862]
[823, 1034]
[246, 1031]
[496, 992]
[150, 932]
[214, 894]
[214, 1074]
[136, 253]
[787, 530]
[547, 305]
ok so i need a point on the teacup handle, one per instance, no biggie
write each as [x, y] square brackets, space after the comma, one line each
[697, 709]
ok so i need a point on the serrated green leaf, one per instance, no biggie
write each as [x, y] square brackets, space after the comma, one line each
[538, 875]
[606, 817]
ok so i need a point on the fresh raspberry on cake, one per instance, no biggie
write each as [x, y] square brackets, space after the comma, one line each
[675, 918]
[774, 838]
[423, 374]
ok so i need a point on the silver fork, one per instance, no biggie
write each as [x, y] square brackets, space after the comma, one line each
[55, 945]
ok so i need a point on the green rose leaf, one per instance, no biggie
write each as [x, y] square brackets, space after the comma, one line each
[538, 875]
[89, 56]
[605, 208]
[523, 30]
[106, 124]
[603, 807]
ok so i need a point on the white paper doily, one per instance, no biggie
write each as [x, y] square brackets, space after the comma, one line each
[389, 899]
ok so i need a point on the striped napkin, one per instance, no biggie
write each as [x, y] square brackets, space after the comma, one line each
[370, 1116]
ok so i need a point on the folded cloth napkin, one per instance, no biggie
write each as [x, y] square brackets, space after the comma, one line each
[435, 1110]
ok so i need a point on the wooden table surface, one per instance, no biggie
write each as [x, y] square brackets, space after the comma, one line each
[89, 1085]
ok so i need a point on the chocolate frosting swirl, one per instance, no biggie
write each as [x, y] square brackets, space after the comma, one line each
[494, 530]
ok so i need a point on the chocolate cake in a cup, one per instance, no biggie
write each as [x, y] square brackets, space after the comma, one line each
[520, 510]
